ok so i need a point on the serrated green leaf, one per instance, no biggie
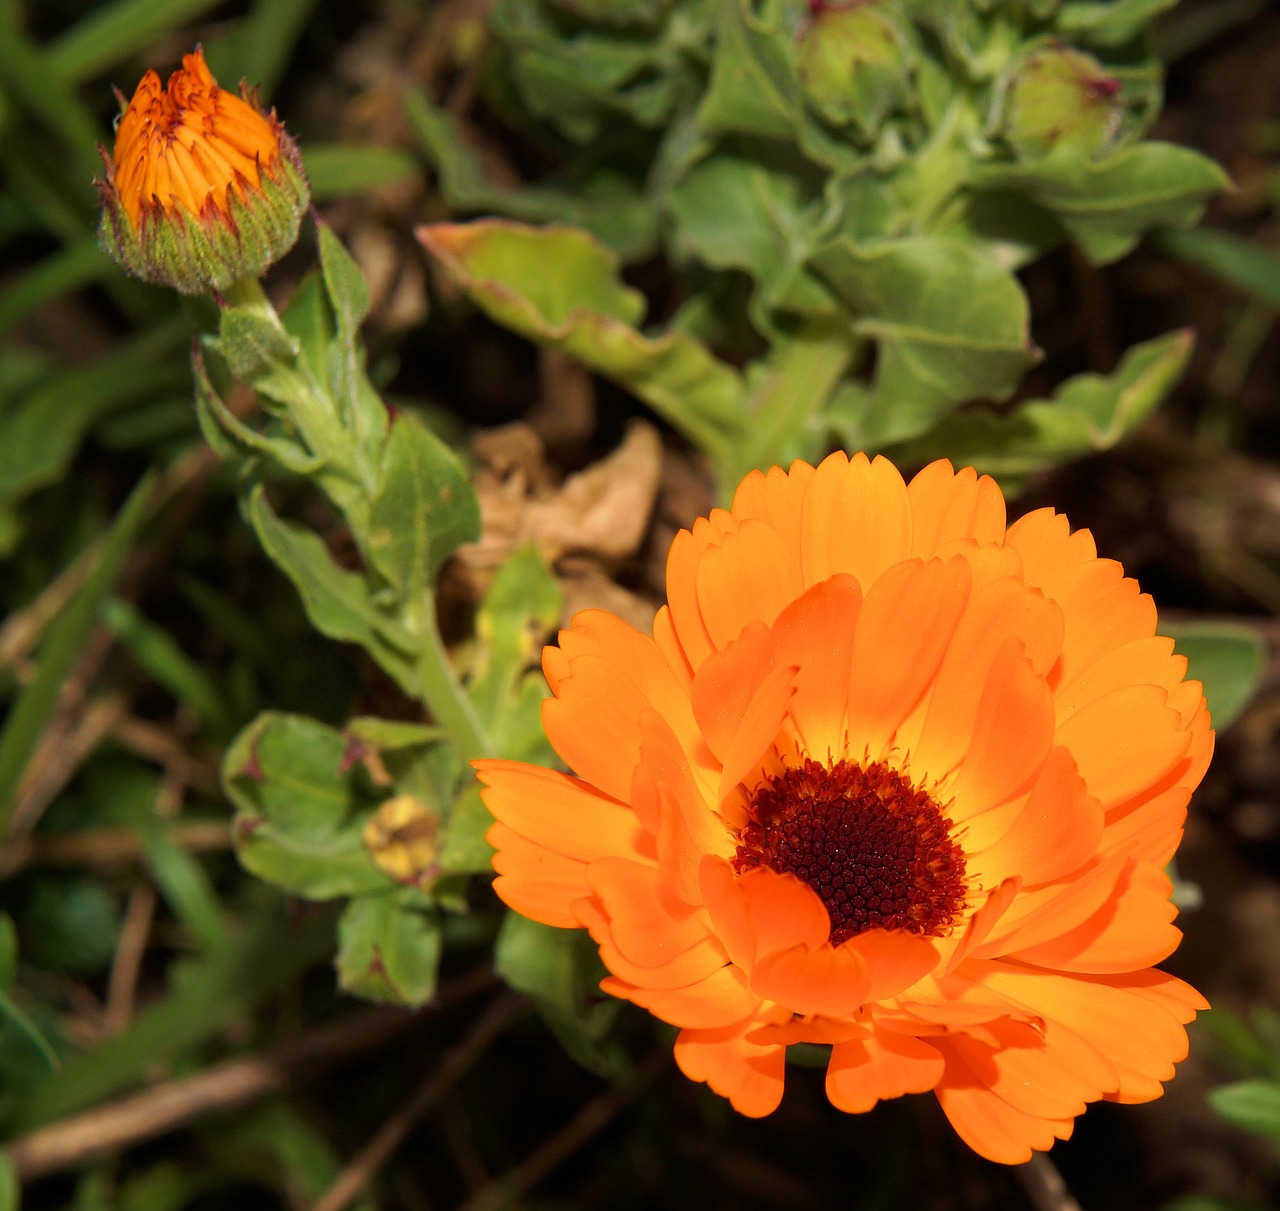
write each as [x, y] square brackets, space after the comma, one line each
[1087, 414]
[423, 510]
[585, 309]
[1253, 1105]
[1107, 204]
[1227, 658]
[301, 808]
[338, 602]
[389, 949]
[949, 325]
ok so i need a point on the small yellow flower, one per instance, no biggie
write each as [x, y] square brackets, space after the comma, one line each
[202, 188]
[402, 838]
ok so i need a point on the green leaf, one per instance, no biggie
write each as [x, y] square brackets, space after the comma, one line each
[424, 509]
[389, 949]
[301, 808]
[949, 325]
[186, 888]
[390, 734]
[347, 290]
[253, 343]
[1112, 23]
[520, 609]
[1107, 204]
[465, 850]
[10, 1187]
[734, 213]
[754, 88]
[63, 642]
[1253, 1105]
[560, 970]
[585, 309]
[1228, 658]
[606, 204]
[338, 602]
[29, 1031]
[1087, 414]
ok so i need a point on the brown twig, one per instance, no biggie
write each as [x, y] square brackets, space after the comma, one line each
[504, 1012]
[131, 946]
[589, 1121]
[1044, 1185]
[108, 847]
[173, 1104]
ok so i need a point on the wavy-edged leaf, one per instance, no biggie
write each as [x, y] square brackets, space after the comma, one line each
[301, 807]
[560, 287]
[948, 323]
[1087, 414]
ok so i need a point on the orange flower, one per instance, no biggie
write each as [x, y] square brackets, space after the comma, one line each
[888, 776]
[203, 188]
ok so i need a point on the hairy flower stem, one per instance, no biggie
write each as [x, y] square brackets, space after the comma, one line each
[444, 696]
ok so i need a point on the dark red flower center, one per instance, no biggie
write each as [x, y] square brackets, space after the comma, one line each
[876, 849]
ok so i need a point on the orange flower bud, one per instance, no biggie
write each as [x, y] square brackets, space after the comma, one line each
[202, 188]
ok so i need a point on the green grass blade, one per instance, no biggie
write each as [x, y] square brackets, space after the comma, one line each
[114, 32]
[65, 639]
[26, 77]
[204, 999]
[58, 274]
[269, 35]
[9, 1010]
[1242, 263]
[185, 886]
[338, 170]
[161, 656]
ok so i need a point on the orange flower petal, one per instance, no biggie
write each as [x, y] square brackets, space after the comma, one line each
[535, 882]
[750, 1075]
[815, 635]
[1125, 743]
[776, 497]
[1132, 1029]
[947, 504]
[1133, 929]
[721, 999]
[904, 627]
[731, 592]
[553, 811]
[988, 1124]
[1012, 734]
[1056, 833]
[856, 518]
[862, 1072]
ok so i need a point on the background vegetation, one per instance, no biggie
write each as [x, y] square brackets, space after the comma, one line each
[214, 674]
